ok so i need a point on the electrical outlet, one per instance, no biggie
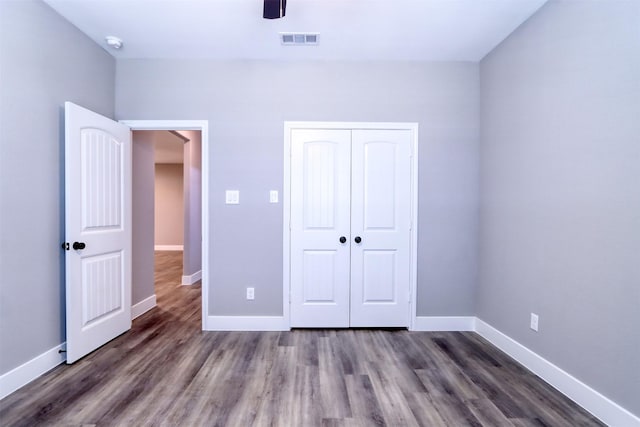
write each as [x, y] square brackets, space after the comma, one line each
[534, 322]
[250, 293]
[273, 196]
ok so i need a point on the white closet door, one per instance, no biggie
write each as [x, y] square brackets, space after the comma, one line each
[380, 218]
[320, 215]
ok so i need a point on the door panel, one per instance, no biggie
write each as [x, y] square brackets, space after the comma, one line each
[101, 286]
[320, 280]
[320, 210]
[321, 161]
[381, 213]
[101, 164]
[378, 182]
[98, 215]
[379, 276]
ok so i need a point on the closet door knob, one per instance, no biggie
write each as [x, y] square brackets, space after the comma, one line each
[78, 245]
[343, 239]
[358, 239]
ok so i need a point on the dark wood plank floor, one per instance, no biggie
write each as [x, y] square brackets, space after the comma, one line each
[167, 372]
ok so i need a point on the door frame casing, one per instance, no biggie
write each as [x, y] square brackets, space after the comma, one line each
[203, 127]
[286, 205]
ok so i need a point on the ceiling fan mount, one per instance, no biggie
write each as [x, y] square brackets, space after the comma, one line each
[274, 9]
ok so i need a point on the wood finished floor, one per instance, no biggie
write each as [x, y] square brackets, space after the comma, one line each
[167, 372]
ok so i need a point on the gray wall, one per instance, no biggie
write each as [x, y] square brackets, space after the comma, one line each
[192, 255]
[560, 187]
[246, 104]
[169, 204]
[142, 254]
[44, 61]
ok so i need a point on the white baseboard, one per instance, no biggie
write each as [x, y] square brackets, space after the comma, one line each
[192, 278]
[168, 247]
[143, 306]
[600, 406]
[29, 371]
[246, 323]
[444, 323]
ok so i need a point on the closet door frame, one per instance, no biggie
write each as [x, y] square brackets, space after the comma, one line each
[286, 204]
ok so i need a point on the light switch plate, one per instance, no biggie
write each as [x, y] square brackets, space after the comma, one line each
[273, 196]
[534, 322]
[232, 197]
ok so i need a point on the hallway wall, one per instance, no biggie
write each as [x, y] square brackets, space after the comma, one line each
[169, 204]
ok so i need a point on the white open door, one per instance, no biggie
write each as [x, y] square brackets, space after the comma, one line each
[98, 230]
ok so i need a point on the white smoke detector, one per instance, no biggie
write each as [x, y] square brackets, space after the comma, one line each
[299, 39]
[113, 42]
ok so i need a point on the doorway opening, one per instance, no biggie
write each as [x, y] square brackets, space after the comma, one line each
[174, 214]
[170, 207]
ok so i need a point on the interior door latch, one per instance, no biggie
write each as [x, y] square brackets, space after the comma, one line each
[65, 246]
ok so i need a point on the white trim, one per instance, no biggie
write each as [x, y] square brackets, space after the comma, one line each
[351, 125]
[247, 323]
[30, 370]
[413, 254]
[143, 306]
[286, 226]
[444, 323]
[203, 127]
[191, 278]
[600, 406]
[286, 205]
[168, 247]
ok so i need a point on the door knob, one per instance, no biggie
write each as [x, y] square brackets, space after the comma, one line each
[343, 239]
[78, 245]
[358, 239]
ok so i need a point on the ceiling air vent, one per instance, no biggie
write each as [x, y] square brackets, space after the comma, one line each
[299, 39]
